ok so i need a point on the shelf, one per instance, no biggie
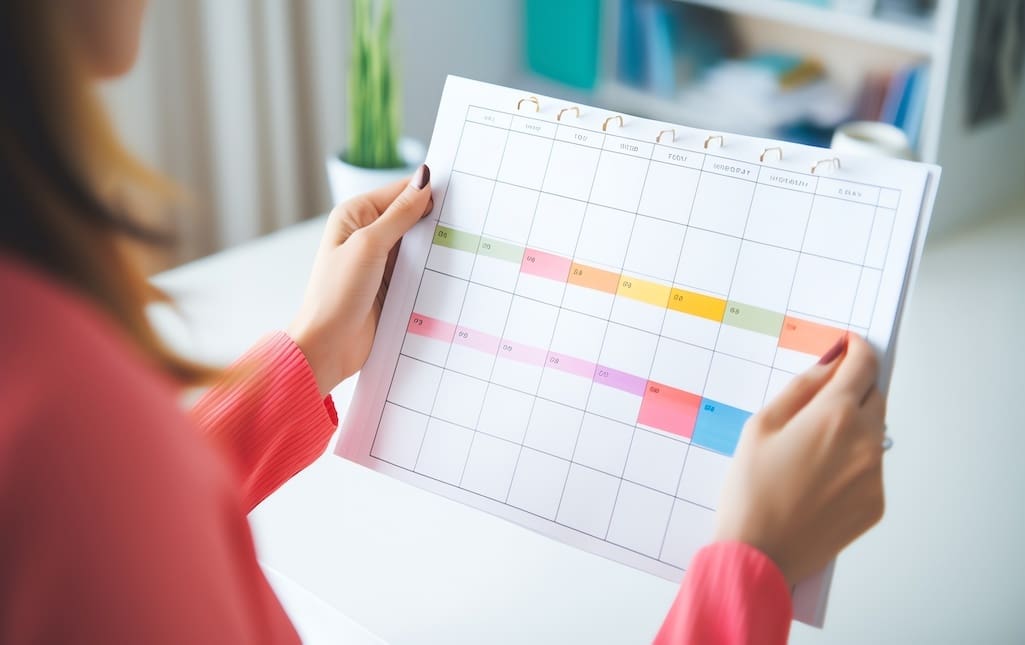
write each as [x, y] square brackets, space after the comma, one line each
[911, 36]
[619, 97]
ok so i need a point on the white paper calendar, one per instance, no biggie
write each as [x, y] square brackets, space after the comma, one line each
[575, 336]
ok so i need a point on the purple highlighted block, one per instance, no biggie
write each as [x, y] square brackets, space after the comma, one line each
[620, 380]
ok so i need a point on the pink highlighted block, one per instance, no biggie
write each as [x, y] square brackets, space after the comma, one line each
[477, 340]
[430, 327]
[545, 265]
[570, 364]
[521, 353]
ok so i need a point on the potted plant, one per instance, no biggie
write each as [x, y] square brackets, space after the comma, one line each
[375, 154]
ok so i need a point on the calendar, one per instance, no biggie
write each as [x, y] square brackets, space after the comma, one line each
[575, 336]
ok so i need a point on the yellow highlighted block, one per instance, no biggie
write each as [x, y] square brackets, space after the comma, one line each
[697, 304]
[649, 292]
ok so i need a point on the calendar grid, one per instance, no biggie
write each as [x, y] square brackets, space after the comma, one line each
[505, 325]
[535, 396]
[462, 304]
[707, 230]
[590, 390]
[686, 453]
[665, 314]
[562, 299]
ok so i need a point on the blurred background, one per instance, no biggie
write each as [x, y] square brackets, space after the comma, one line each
[241, 101]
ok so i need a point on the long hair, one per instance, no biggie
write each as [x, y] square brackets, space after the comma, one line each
[71, 196]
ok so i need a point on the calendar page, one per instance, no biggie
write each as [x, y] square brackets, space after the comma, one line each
[576, 335]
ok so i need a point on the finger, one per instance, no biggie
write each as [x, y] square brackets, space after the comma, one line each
[381, 198]
[389, 265]
[404, 211]
[802, 388]
[873, 412]
[353, 214]
[857, 371]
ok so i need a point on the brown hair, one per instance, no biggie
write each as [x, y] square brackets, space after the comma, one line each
[67, 185]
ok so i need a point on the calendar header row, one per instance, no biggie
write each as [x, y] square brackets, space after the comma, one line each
[762, 173]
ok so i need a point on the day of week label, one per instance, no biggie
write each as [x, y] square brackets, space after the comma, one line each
[628, 146]
[678, 157]
[487, 117]
[583, 137]
[533, 126]
[784, 179]
[731, 167]
[848, 190]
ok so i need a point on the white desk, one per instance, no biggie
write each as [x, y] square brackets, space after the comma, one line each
[946, 565]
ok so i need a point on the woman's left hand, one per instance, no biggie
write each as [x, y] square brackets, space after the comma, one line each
[336, 323]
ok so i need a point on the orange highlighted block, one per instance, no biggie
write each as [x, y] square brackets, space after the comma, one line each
[808, 337]
[592, 278]
[669, 409]
[697, 304]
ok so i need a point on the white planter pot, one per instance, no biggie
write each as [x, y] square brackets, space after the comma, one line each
[347, 181]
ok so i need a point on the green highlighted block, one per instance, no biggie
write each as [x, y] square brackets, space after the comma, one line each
[753, 318]
[500, 250]
[458, 240]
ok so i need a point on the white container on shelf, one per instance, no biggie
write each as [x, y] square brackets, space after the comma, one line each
[347, 181]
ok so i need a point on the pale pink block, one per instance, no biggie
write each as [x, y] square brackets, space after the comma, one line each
[521, 353]
[430, 327]
[570, 364]
[546, 265]
[477, 340]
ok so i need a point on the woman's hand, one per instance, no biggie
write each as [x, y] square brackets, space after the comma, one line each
[336, 323]
[807, 477]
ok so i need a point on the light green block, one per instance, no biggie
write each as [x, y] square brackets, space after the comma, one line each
[753, 318]
[500, 250]
[458, 240]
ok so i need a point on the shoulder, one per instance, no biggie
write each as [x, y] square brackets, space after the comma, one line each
[70, 381]
[112, 504]
[57, 344]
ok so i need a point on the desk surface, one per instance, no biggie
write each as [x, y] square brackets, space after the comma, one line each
[944, 566]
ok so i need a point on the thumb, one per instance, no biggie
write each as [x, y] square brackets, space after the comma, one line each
[803, 388]
[405, 210]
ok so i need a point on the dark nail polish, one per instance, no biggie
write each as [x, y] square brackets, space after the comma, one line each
[422, 177]
[834, 351]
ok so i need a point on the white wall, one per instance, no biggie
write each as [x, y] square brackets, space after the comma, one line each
[240, 100]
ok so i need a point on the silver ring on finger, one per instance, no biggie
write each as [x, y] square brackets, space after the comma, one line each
[887, 440]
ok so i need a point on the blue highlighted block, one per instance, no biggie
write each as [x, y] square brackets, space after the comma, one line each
[718, 426]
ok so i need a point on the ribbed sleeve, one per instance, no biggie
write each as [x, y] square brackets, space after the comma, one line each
[732, 593]
[268, 415]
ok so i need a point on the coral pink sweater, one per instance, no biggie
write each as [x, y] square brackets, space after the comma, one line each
[123, 519]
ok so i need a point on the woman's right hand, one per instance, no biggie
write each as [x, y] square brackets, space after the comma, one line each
[807, 477]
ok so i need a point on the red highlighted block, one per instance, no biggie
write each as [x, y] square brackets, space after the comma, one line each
[430, 327]
[669, 409]
[808, 337]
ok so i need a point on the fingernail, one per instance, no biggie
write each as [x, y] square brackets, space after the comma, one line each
[421, 178]
[834, 351]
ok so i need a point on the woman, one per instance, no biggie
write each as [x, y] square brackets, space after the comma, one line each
[124, 520]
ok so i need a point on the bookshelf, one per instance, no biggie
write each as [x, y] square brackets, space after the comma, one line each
[910, 35]
[984, 167]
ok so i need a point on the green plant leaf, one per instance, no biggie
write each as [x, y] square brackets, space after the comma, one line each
[374, 122]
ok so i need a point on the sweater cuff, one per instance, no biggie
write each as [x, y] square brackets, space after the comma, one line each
[268, 415]
[732, 593]
[293, 378]
[764, 576]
